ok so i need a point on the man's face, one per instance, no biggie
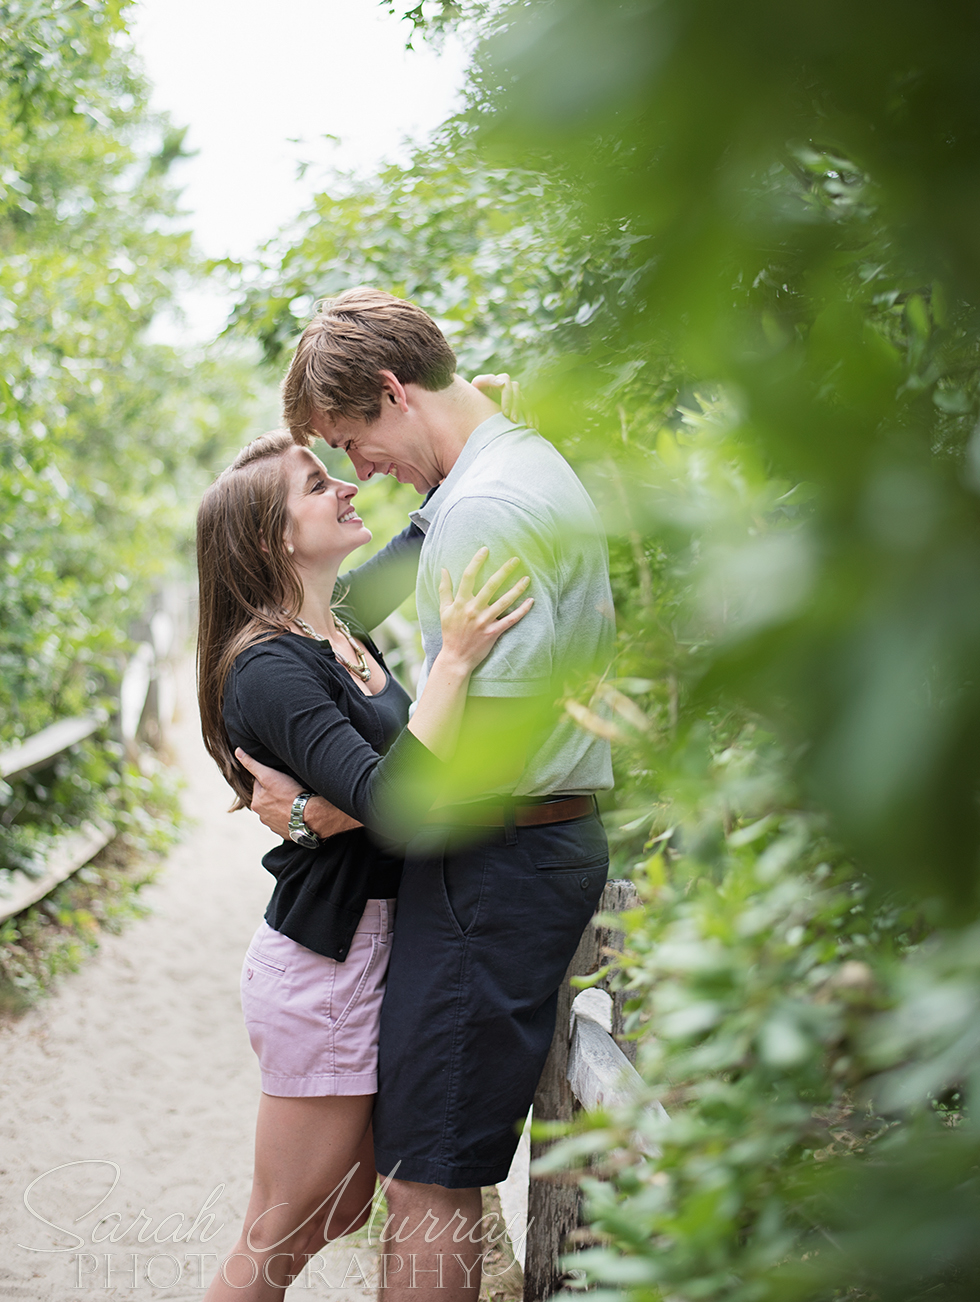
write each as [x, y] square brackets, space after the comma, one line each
[394, 444]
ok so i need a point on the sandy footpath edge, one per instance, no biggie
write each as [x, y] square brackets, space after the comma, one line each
[141, 1063]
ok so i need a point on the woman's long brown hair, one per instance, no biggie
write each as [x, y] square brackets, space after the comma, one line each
[249, 589]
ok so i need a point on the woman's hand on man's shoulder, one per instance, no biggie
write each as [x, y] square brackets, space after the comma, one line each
[507, 392]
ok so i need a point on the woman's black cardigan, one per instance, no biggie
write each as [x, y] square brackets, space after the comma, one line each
[290, 704]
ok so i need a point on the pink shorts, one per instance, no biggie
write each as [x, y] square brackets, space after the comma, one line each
[313, 1022]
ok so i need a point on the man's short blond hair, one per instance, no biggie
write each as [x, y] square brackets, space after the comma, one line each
[335, 369]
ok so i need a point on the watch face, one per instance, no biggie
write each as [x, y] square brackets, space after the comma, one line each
[300, 836]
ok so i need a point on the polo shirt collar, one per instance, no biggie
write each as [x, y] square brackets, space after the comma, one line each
[484, 434]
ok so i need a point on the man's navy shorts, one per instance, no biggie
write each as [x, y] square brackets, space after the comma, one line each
[483, 938]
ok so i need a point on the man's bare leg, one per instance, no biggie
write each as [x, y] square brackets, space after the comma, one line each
[433, 1244]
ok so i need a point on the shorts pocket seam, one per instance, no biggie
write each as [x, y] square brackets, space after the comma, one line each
[571, 866]
[257, 960]
[369, 967]
[464, 933]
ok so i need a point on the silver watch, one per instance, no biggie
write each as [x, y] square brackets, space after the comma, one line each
[298, 831]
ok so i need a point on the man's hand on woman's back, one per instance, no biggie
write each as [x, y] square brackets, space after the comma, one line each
[273, 794]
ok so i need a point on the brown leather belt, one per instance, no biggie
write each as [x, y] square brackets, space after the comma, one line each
[552, 811]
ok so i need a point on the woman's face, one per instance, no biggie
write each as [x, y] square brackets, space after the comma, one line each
[323, 525]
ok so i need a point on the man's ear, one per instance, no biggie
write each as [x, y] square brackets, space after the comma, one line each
[393, 391]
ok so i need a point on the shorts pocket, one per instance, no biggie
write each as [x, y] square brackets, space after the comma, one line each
[341, 986]
[565, 847]
[263, 990]
[263, 964]
[463, 878]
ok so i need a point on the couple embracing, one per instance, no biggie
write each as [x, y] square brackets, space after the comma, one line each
[474, 818]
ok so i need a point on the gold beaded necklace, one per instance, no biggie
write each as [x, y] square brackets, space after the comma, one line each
[362, 669]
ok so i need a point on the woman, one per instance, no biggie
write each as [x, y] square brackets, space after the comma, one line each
[281, 675]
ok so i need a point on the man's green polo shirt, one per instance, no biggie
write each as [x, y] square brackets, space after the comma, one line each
[511, 491]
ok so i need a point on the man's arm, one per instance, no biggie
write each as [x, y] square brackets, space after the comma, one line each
[273, 794]
[494, 743]
[381, 584]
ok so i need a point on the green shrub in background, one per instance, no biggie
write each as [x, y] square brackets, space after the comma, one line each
[54, 936]
[106, 438]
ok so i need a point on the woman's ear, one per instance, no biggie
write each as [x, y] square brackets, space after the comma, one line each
[265, 546]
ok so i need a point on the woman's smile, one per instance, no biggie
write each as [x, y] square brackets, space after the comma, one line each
[317, 503]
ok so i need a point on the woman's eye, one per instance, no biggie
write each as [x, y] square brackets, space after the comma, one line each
[318, 486]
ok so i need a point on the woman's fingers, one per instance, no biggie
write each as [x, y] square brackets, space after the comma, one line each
[515, 616]
[510, 399]
[485, 382]
[468, 577]
[485, 595]
[500, 605]
[485, 607]
[507, 393]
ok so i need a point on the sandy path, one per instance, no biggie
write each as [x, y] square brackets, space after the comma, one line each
[141, 1061]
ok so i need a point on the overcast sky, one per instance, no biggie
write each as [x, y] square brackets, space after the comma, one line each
[260, 85]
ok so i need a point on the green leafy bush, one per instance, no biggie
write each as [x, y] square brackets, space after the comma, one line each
[105, 437]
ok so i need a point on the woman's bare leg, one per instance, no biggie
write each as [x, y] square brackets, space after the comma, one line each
[305, 1150]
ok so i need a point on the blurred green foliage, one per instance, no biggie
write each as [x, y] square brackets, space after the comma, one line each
[106, 438]
[731, 251]
[800, 185]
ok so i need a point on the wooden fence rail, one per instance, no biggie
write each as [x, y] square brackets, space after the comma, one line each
[45, 745]
[144, 689]
[586, 1068]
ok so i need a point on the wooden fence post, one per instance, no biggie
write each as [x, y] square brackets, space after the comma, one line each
[553, 1206]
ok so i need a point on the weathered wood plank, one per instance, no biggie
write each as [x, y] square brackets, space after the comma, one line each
[599, 1073]
[617, 898]
[46, 744]
[553, 1207]
[69, 853]
[133, 692]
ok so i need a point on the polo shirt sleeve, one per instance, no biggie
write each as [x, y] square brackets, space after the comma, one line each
[522, 662]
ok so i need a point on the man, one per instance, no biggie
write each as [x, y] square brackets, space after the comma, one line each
[487, 921]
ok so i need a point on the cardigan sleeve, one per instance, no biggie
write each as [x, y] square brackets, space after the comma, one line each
[278, 701]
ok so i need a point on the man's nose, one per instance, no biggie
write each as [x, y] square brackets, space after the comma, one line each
[365, 469]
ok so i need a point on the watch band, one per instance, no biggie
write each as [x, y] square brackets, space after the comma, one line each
[299, 833]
